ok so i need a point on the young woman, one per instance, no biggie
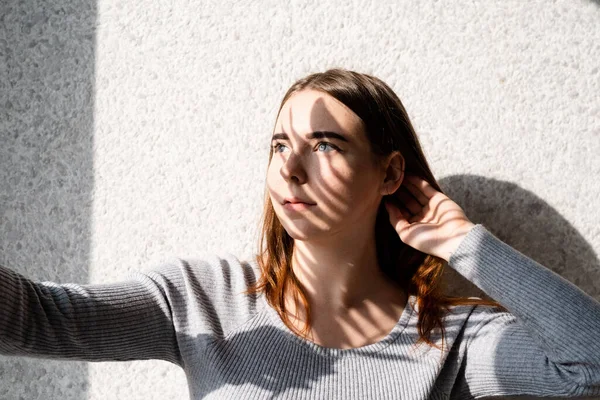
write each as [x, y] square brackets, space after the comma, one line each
[343, 300]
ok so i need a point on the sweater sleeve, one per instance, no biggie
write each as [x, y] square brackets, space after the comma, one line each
[545, 345]
[130, 320]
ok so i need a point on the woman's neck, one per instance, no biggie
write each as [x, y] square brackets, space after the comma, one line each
[352, 302]
[343, 275]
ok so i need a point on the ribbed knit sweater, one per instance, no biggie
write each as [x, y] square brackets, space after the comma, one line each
[234, 346]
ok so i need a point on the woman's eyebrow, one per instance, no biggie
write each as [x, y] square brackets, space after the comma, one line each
[313, 135]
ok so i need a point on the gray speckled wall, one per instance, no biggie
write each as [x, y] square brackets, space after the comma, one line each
[133, 131]
[47, 94]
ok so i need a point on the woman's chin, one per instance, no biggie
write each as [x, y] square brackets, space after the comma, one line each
[304, 233]
[298, 234]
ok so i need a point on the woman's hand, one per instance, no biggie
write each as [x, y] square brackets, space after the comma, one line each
[428, 220]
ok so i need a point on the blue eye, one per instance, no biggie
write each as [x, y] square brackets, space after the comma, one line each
[324, 144]
[277, 146]
[327, 144]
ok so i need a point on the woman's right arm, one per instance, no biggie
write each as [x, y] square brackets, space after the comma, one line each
[129, 320]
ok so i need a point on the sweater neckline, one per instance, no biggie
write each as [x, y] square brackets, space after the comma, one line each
[392, 336]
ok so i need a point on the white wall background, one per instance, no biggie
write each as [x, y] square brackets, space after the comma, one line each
[135, 130]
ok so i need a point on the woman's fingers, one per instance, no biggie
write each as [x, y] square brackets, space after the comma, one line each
[419, 188]
[399, 216]
[425, 218]
[415, 199]
[408, 201]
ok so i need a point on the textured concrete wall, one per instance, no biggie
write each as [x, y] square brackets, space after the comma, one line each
[132, 131]
[47, 95]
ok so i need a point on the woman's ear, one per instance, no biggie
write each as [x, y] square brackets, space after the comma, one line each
[394, 173]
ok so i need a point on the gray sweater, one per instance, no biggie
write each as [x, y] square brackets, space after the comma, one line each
[234, 346]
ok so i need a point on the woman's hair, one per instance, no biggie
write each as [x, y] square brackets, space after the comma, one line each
[388, 129]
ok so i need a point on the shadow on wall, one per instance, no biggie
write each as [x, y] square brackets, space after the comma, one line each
[46, 171]
[528, 224]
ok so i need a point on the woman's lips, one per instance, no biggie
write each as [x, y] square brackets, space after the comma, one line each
[297, 206]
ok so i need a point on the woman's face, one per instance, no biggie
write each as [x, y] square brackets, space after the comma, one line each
[336, 177]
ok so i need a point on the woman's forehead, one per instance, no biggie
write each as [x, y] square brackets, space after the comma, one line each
[312, 110]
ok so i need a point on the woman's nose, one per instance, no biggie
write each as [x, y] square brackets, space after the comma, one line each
[293, 169]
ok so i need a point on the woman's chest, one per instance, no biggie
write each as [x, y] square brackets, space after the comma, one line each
[266, 364]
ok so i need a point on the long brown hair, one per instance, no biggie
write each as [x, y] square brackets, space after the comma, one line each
[388, 128]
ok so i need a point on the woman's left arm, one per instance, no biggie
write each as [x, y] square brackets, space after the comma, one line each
[547, 344]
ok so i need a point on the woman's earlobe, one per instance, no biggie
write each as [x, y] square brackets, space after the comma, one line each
[396, 164]
[396, 172]
[389, 188]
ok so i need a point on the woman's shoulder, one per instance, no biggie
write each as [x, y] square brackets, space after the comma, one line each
[205, 279]
[478, 317]
[206, 285]
[206, 269]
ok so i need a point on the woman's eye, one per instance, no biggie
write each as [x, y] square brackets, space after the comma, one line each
[277, 146]
[327, 144]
